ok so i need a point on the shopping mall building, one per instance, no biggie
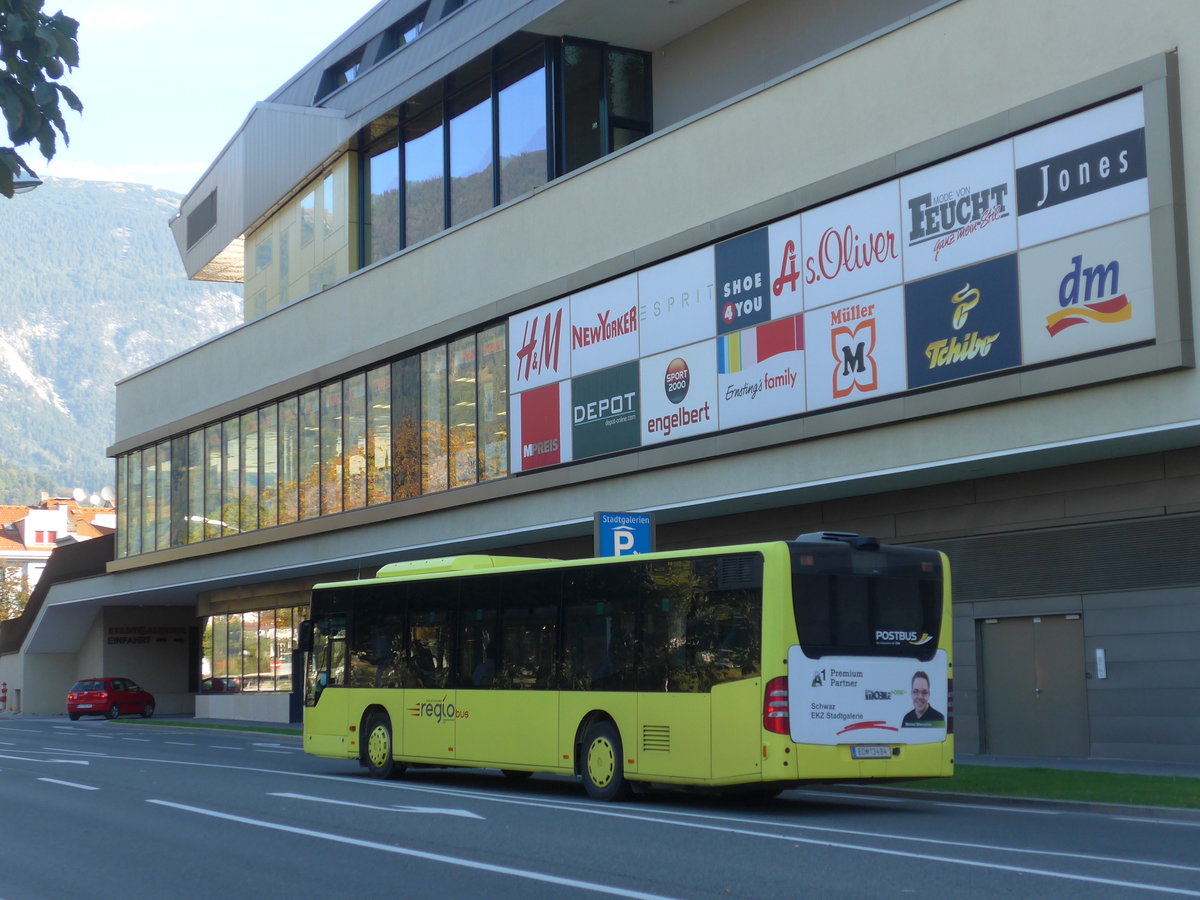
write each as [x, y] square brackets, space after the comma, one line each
[912, 269]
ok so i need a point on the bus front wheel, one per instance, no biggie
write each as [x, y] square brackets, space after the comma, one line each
[602, 768]
[378, 746]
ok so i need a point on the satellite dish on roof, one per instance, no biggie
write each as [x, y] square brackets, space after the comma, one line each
[95, 500]
[79, 494]
[107, 494]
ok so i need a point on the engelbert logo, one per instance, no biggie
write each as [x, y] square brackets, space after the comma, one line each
[1105, 306]
[439, 710]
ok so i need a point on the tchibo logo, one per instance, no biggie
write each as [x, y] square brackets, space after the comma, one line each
[439, 710]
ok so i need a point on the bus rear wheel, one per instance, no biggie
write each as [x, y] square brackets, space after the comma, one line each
[602, 766]
[378, 748]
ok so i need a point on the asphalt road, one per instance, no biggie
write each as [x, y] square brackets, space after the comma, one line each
[98, 809]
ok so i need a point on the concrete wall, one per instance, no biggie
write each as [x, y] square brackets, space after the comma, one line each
[150, 645]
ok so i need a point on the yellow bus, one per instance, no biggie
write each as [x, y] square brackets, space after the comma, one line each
[769, 664]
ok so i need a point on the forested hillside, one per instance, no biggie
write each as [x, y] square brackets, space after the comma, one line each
[91, 290]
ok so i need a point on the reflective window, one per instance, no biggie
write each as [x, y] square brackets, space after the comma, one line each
[262, 254]
[230, 508]
[406, 428]
[309, 473]
[471, 154]
[492, 400]
[308, 212]
[462, 425]
[268, 446]
[285, 257]
[379, 435]
[134, 494]
[522, 112]
[289, 460]
[332, 462]
[424, 175]
[382, 191]
[162, 496]
[149, 484]
[327, 210]
[583, 91]
[248, 518]
[123, 503]
[180, 472]
[212, 481]
[354, 441]
[433, 420]
[195, 519]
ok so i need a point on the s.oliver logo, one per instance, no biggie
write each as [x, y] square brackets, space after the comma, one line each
[439, 710]
[677, 380]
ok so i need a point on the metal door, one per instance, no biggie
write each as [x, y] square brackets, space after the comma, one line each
[1034, 693]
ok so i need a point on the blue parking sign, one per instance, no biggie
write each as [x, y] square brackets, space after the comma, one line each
[623, 534]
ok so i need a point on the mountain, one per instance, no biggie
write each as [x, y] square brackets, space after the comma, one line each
[91, 290]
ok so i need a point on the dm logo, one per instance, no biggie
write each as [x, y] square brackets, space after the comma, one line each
[1100, 301]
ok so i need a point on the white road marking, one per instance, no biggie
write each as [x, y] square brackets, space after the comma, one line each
[422, 854]
[1150, 821]
[82, 787]
[466, 814]
[74, 762]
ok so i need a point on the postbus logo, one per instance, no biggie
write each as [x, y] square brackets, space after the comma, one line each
[438, 710]
[677, 380]
[1089, 295]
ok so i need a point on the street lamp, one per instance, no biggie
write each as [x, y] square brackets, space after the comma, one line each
[24, 180]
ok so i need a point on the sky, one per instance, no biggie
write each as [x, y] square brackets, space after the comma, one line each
[166, 83]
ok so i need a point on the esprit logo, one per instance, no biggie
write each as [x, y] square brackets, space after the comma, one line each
[1100, 302]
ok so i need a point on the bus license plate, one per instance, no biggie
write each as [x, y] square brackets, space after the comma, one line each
[870, 752]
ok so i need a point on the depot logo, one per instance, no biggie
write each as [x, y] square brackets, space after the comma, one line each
[439, 710]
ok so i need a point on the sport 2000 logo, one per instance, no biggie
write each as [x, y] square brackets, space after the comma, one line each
[439, 710]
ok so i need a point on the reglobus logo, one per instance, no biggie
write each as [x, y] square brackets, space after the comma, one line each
[437, 709]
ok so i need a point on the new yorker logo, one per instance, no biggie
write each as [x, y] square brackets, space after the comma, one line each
[606, 327]
[952, 216]
[539, 352]
[1089, 294]
[1078, 173]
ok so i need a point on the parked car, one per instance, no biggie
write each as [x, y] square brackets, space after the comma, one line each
[224, 685]
[108, 697]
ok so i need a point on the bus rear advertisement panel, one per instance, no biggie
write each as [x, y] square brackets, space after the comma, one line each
[824, 657]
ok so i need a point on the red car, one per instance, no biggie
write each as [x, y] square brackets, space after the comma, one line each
[108, 697]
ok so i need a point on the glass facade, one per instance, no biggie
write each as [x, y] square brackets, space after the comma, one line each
[248, 652]
[426, 422]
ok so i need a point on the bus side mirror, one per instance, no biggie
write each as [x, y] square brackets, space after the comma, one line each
[306, 636]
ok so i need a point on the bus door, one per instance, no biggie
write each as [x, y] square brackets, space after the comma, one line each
[324, 683]
[430, 701]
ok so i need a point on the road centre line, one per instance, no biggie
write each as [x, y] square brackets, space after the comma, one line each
[82, 787]
[1149, 821]
[421, 854]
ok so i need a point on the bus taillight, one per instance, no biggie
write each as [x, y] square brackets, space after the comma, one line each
[776, 716]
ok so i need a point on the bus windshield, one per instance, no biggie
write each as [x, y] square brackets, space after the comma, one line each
[866, 602]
